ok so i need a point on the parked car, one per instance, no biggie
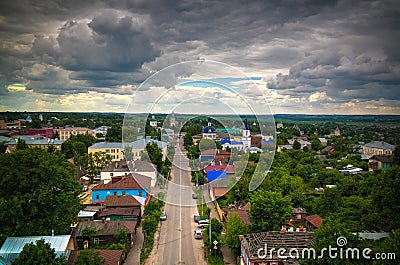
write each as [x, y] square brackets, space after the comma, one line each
[203, 223]
[196, 218]
[163, 216]
[198, 234]
[194, 196]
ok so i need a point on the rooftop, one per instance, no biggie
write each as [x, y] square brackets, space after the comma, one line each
[120, 211]
[275, 240]
[105, 228]
[380, 145]
[121, 201]
[13, 245]
[131, 181]
[107, 145]
[315, 220]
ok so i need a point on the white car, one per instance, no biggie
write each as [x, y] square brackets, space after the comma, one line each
[203, 223]
[198, 234]
[163, 216]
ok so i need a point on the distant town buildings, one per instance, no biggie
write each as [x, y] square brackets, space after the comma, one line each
[66, 132]
[378, 148]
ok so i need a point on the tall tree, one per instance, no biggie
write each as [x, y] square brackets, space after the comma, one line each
[94, 162]
[155, 155]
[269, 210]
[114, 133]
[39, 253]
[35, 188]
[234, 227]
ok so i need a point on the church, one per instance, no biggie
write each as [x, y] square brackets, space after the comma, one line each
[242, 145]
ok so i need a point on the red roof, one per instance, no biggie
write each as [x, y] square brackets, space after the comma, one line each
[217, 167]
[130, 182]
[112, 257]
[315, 220]
[121, 201]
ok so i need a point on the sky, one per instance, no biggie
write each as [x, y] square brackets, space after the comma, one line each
[305, 57]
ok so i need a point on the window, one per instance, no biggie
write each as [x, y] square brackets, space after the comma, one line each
[111, 174]
[140, 193]
[107, 151]
[112, 150]
[97, 197]
[115, 193]
[96, 240]
[123, 193]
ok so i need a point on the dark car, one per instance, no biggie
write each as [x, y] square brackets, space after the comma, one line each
[196, 218]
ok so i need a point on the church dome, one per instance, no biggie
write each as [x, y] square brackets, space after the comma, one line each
[209, 129]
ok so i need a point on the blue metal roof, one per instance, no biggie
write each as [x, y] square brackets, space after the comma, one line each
[224, 141]
[213, 175]
[13, 246]
[209, 129]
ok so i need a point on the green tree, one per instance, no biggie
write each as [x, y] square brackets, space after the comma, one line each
[94, 162]
[296, 145]
[390, 245]
[37, 254]
[316, 145]
[122, 236]
[114, 133]
[35, 188]
[396, 155]
[155, 155]
[329, 202]
[268, 210]
[89, 257]
[216, 229]
[88, 233]
[187, 140]
[21, 145]
[234, 227]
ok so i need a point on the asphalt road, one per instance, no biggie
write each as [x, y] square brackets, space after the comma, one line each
[177, 244]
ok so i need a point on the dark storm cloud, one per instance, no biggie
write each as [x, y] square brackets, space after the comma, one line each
[345, 49]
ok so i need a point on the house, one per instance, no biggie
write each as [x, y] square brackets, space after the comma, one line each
[66, 132]
[281, 148]
[44, 132]
[124, 168]
[299, 214]
[12, 247]
[268, 145]
[106, 230]
[303, 143]
[379, 162]
[121, 213]
[214, 174]
[127, 201]
[313, 221]
[378, 148]
[207, 156]
[113, 149]
[256, 140]
[139, 145]
[242, 212]
[328, 149]
[214, 167]
[132, 184]
[110, 256]
[218, 187]
[323, 141]
[268, 248]
[35, 141]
